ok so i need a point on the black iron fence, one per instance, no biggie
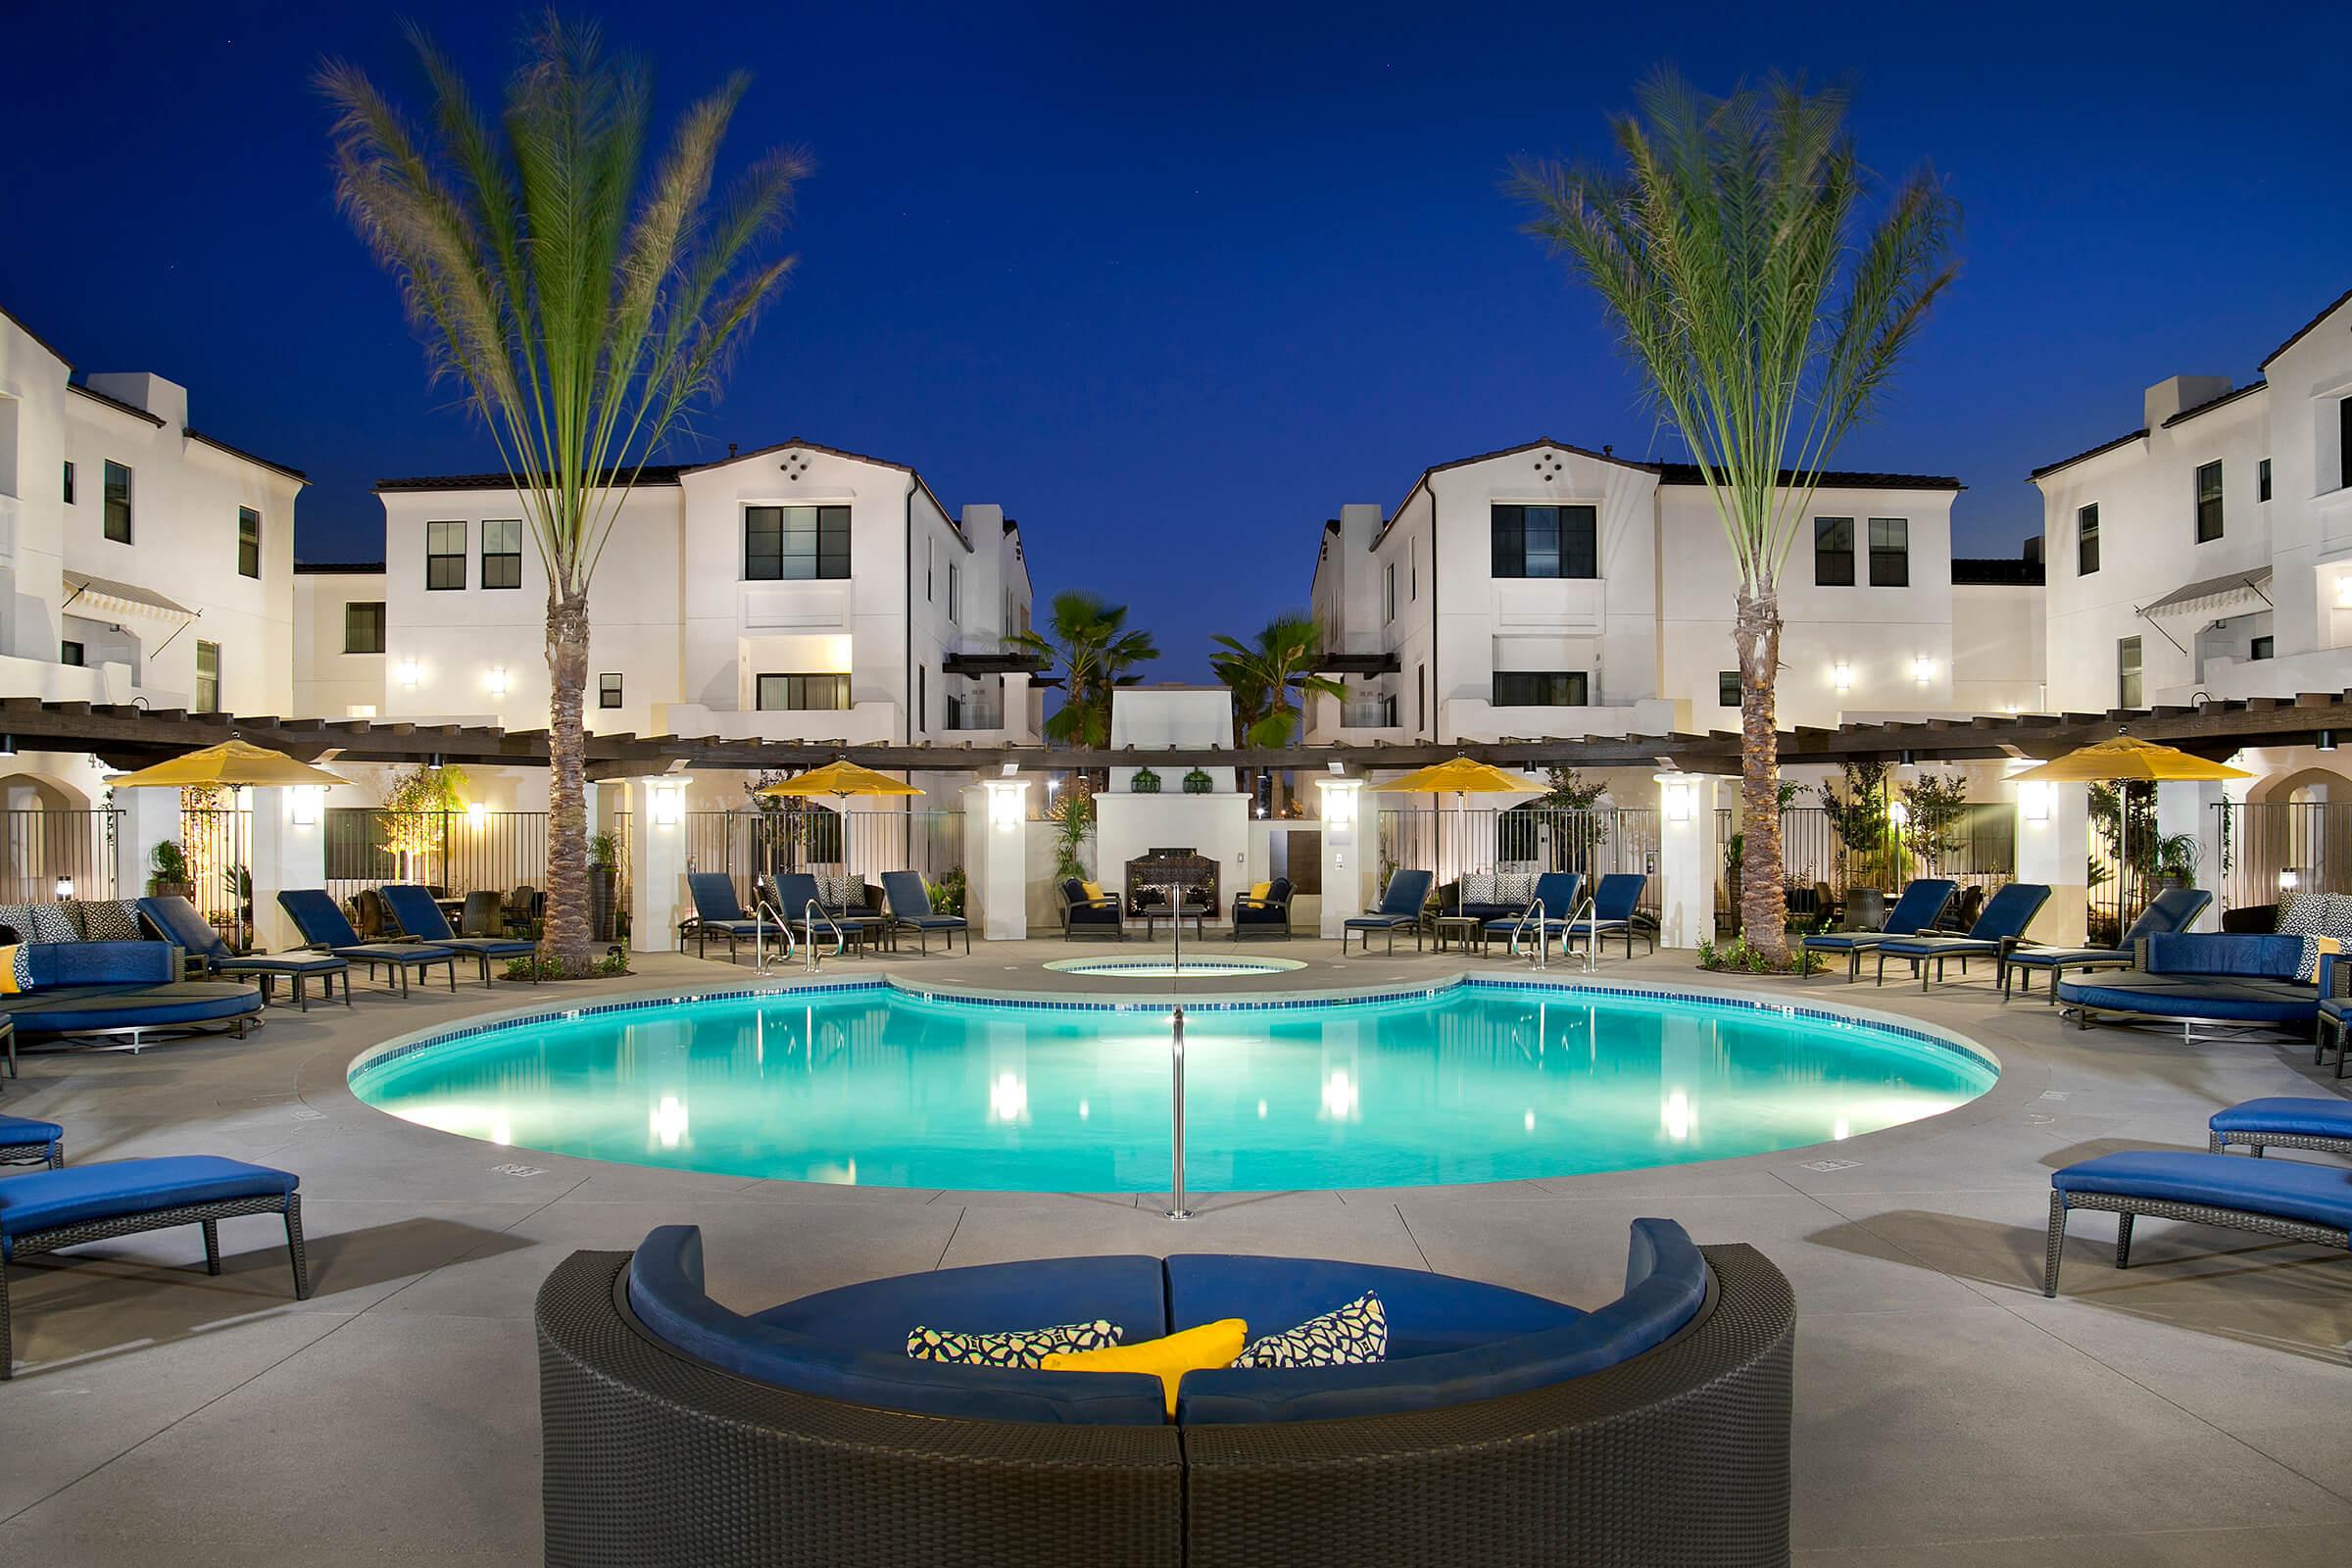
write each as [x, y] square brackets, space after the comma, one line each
[1597, 842]
[218, 843]
[865, 844]
[2280, 846]
[463, 852]
[47, 854]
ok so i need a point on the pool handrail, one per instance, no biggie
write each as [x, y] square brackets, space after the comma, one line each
[1541, 958]
[762, 909]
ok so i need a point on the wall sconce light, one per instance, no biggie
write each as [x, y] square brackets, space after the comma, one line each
[408, 674]
[1923, 669]
[2343, 591]
[1841, 675]
[1340, 800]
[476, 812]
[65, 888]
[1675, 793]
[1906, 759]
[2010, 709]
[2326, 741]
[667, 803]
[1008, 803]
[2035, 798]
[1899, 813]
[302, 805]
[2289, 879]
[498, 680]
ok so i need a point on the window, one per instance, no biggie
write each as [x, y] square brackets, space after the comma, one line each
[2262, 480]
[2209, 503]
[249, 542]
[2086, 540]
[1546, 542]
[793, 694]
[1387, 592]
[1420, 698]
[608, 691]
[1727, 689]
[71, 653]
[502, 553]
[364, 627]
[922, 699]
[1413, 556]
[796, 544]
[68, 481]
[207, 678]
[118, 503]
[2343, 442]
[445, 554]
[1545, 689]
[1834, 552]
[954, 593]
[2261, 648]
[2126, 672]
[1891, 552]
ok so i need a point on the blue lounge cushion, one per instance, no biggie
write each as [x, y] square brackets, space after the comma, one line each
[1933, 946]
[2044, 958]
[1428, 1313]
[2265, 958]
[280, 963]
[2319, 1195]
[177, 921]
[16, 1130]
[2297, 1115]
[984, 1299]
[83, 1010]
[2171, 996]
[101, 963]
[665, 1292]
[1846, 941]
[115, 1188]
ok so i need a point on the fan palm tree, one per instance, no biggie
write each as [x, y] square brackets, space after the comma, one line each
[582, 306]
[1262, 673]
[1096, 654]
[1766, 311]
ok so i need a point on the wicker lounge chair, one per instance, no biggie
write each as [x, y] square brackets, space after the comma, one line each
[2284, 1121]
[1614, 904]
[1918, 909]
[2286, 1199]
[2174, 910]
[27, 1142]
[2001, 927]
[175, 920]
[419, 917]
[1399, 909]
[910, 904]
[322, 926]
[1084, 916]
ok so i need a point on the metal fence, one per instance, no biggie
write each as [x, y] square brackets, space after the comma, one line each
[1597, 842]
[44, 851]
[218, 842]
[464, 851]
[1980, 852]
[2278, 847]
[865, 844]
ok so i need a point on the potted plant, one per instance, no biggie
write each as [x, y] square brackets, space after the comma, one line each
[603, 884]
[1197, 782]
[167, 876]
[2176, 860]
[1144, 782]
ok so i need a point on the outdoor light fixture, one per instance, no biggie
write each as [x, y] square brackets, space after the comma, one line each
[408, 673]
[1906, 759]
[1923, 669]
[1841, 675]
[302, 805]
[666, 804]
[8, 746]
[2035, 798]
[65, 888]
[2326, 741]
[498, 680]
[1899, 813]
[1675, 792]
[433, 762]
[2343, 592]
[2289, 879]
[2010, 709]
[475, 811]
[1340, 800]
[1007, 800]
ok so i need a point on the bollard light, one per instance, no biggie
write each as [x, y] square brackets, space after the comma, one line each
[65, 888]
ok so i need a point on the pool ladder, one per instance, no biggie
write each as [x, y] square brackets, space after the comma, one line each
[1540, 959]
[761, 910]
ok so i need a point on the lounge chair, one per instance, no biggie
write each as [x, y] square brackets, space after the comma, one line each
[1270, 915]
[2001, 927]
[2285, 1199]
[791, 894]
[2284, 1121]
[417, 915]
[519, 908]
[1918, 909]
[1399, 909]
[175, 920]
[27, 1142]
[2211, 978]
[1085, 917]
[717, 913]
[57, 1208]
[1614, 903]
[910, 904]
[322, 926]
[1558, 894]
[2174, 910]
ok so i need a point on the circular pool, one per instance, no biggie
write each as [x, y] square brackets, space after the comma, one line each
[873, 1085]
[1166, 966]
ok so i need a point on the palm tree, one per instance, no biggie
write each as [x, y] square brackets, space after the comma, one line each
[582, 306]
[1261, 673]
[1731, 252]
[1096, 654]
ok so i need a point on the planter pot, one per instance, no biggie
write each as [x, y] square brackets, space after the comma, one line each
[157, 888]
[1197, 782]
[1144, 782]
[604, 887]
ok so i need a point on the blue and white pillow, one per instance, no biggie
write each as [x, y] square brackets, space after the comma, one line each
[1013, 1348]
[1478, 887]
[109, 920]
[1355, 1334]
[2310, 916]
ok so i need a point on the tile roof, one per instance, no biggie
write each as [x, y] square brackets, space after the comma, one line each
[1831, 479]
[2012, 571]
[2306, 329]
[194, 434]
[337, 568]
[651, 473]
[117, 404]
[2105, 446]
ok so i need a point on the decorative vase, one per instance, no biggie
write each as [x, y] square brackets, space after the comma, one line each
[604, 886]
[1197, 782]
[1144, 782]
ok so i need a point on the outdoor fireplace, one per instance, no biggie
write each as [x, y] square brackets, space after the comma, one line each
[1151, 873]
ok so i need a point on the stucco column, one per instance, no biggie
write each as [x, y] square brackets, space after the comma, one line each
[1015, 716]
[2053, 847]
[150, 817]
[658, 897]
[288, 852]
[2191, 807]
[996, 859]
[1686, 859]
[1347, 871]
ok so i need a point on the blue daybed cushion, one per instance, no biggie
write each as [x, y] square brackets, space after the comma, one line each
[2191, 996]
[2265, 958]
[985, 1298]
[1666, 1284]
[102, 963]
[665, 1292]
[1427, 1313]
[2292, 1189]
[79, 1010]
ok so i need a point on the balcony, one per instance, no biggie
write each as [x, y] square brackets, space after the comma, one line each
[1368, 714]
[969, 713]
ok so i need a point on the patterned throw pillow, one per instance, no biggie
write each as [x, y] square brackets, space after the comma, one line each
[2305, 915]
[1515, 888]
[109, 920]
[1478, 887]
[18, 918]
[2335, 920]
[48, 922]
[1018, 1347]
[1353, 1335]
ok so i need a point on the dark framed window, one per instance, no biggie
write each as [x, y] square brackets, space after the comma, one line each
[1891, 552]
[2343, 442]
[2126, 672]
[2209, 503]
[795, 544]
[207, 678]
[117, 502]
[1387, 592]
[1727, 689]
[608, 691]
[1413, 556]
[68, 481]
[445, 554]
[502, 553]
[249, 542]
[2262, 480]
[1545, 541]
[363, 626]
[954, 593]
[2086, 540]
[1420, 698]
[1563, 688]
[922, 699]
[797, 694]
[2261, 648]
[71, 653]
[1834, 552]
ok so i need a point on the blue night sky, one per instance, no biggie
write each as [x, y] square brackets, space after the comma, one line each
[1172, 283]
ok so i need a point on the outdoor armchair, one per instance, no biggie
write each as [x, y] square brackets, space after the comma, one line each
[2174, 910]
[1270, 915]
[2000, 928]
[1399, 909]
[420, 918]
[175, 920]
[1081, 916]
[910, 904]
[322, 926]
[1918, 909]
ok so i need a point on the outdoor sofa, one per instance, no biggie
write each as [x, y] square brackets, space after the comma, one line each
[129, 989]
[175, 920]
[2213, 978]
[2173, 909]
[322, 926]
[2007, 916]
[1399, 909]
[1503, 1427]
[421, 920]
[1270, 914]
[1919, 908]
[1485, 896]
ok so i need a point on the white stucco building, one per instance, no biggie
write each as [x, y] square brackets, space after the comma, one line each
[1550, 590]
[139, 556]
[2210, 550]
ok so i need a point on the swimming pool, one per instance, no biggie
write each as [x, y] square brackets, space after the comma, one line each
[1166, 966]
[872, 1085]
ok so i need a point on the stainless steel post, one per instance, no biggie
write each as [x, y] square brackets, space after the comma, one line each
[1176, 1068]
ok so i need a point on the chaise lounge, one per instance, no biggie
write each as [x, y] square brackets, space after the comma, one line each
[1614, 905]
[27, 1142]
[2284, 1121]
[1550, 911]
[910, 910]
[175, 920]
[1922, 905]
[2001, 927]
[130, 989]
[419, 916]
[324, 926]
[718, 912]
[2173, 909]
[2279, 1198]
[1399, 909]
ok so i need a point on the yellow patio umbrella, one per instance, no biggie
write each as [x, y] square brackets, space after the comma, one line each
[2124, 758]
[1461, 777]
[231, 765]
[840, 780]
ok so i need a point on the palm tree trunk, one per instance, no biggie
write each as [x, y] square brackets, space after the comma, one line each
[1763, 895]
[568, 940]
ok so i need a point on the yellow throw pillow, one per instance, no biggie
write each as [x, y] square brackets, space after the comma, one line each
[1259, 889]
[1167, 1359]
[14, 972]
[1094, 890]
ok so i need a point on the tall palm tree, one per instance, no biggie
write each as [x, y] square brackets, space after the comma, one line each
[582, 304]
[1262, 673]
[1766, 310]
[1097, 653]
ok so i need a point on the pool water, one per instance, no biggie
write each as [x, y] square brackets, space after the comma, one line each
[876, 1087]
[1169, 968]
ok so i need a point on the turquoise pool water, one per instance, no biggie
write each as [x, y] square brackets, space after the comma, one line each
[875, 1087]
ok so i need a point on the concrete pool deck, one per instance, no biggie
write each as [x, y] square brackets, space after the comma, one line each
[1946, 1414]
